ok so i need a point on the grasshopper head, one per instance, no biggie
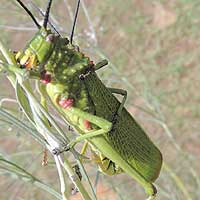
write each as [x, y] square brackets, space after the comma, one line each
[37, 51]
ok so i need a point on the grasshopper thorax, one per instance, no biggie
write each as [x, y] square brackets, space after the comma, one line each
[55, 55]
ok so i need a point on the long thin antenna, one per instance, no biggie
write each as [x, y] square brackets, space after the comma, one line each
[46, 17]
[29, 13]
[49, 22]
[74, 22]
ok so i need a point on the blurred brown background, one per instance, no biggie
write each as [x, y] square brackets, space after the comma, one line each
[154, 52]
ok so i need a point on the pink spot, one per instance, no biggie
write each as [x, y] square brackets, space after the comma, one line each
[87, 124]
[66, 103]
[91, 62]
[45, 78]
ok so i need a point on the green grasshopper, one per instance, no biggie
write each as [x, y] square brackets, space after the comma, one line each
[69, 78]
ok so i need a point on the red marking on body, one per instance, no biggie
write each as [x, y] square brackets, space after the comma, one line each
[66, 103]
[87, 124]
[45, 78]
[91, 62]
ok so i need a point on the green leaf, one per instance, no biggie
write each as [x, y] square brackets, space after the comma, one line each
[24, 102]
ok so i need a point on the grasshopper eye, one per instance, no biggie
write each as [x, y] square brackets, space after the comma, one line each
[50, 38]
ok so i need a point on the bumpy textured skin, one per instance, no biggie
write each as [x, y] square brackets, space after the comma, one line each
[65, 65]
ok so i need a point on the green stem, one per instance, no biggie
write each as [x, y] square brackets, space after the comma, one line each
[27, 88]
[61, 175]
[10, 59]
[17, 170]
[36, 106]
[12, 119]
[75, 179]
[178, 181]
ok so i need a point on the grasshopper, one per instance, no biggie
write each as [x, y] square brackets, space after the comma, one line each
[69, 78]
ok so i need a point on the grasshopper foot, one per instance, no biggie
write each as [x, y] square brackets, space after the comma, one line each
[58, 151]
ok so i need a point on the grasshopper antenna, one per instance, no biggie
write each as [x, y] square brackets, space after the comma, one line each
[43, 15]
[46, 16]
[29, 13]
[74, 22]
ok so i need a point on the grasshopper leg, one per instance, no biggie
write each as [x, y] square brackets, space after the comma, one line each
[103, 124]
[124, 94]
[117, 113]
[84, 149]
[100, 64]
[9, 68]
[85, 137]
